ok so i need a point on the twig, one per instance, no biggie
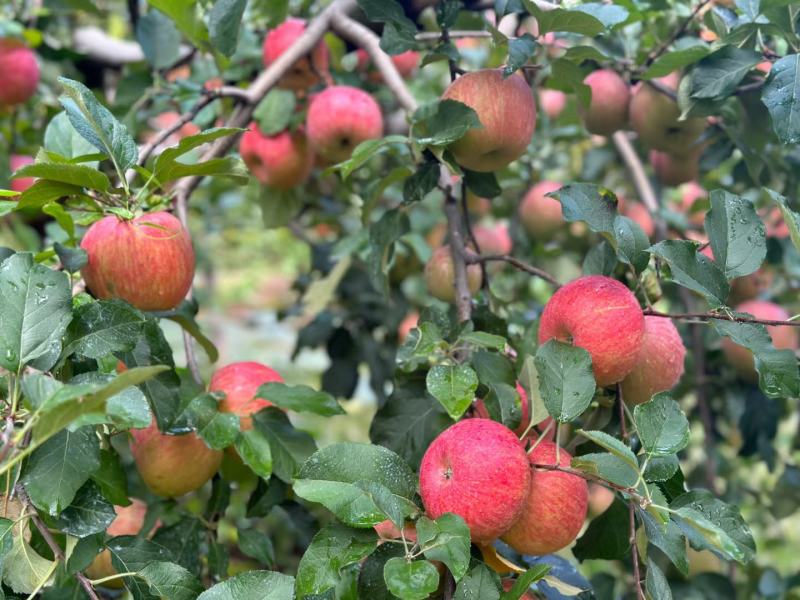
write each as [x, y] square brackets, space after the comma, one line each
[471, 236]
[473, 258]
[719, 317]
[462, 293]
[435, 36]
[634, 495]
[655, 54]
[637, 576]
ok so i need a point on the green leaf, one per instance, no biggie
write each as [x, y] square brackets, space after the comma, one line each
[274, 113]
[717, 75]
[520, 50]
[781, 96]
[167, 167]
[257, 545]
[367, 150]
[566, 381]
[253, 448]
[77, 175]
[24, 569]
[607, 537]
[252, 585]
[110, 477]
[453, 386]
[662, 427]
[159, 39]
[790, 217]
[73, 259]
[607, 466]
[503, 405]
[44, 192]
[131, 554]
[524, 581]
[667, 538]
[290, 447]
[187, 19]
[104, 327]
[484, 340]
[447, 124]
[399, 30]
[613, 445]
[184, 316]
[217, 429]
[422, 182]
[676, 60]
[300, 398]
[661, 468]
[736, 233]
[483, 185]
[693, 270]
[63, 139]
[168, 580]
[568, 77]
[224, 22]
[561, 19]
[600, 260]
[89, 513]
[447, 540]
[392, 225]
[410, 580]
[632, 243]
[480, 582]
[589, 203]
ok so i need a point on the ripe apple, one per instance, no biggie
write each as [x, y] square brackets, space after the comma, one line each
[172, 465]
[281, 161]
[659, 366]
[339, 119]
[304, 73]
[541, 215]
[168, 119]
[387, 530]
[494, 239]
[655, 117]
[608, 110]
[690, 193]
[17, 161]
[147, 261]
[638, 213]
[440, 275]
[603, 317]
[240, 382]
[555, 509]
[20, 72]
[477, 205]
[509, 583]
[675, 170]
[783, 337]
[407, 324]
[405, 63]
[776, 226]
[478, 470]
[553, 102]
[507, 112]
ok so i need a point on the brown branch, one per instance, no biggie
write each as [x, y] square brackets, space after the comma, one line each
[640, 500]
[435, 36]
[473, 258]
[471, 237]
[719, 317]
[623, 427]
[655, 54]
[463, 296]
[637, 576]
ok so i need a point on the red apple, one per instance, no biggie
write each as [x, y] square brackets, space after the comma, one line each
[555, 509]
[387, 530]
[659, 366]
[17, 161]
[303, 74]
[608, 110]
[750, 286]
[552, 102]
[148, 261]
[440, 275]
[638, 213]
[281, 161]
[603, 317]
[478, 470]
[339, 119]
[541, 215]
[507, 112]
[776, 226]
[407, 324]
[675, 170]
[240, 382]
[405, 63]
[691, 193]
[20, 72]
[493, 240]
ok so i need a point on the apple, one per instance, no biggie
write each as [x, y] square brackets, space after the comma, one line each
[608, 110]
[555, 509]
[600, 499]
[750, 286]
[690, 194]
[783, 337]
[602, 316]
[17, 161]
[656, 119]
[281, 161]
[408, 323]
[776, 226]
[405, 63]
[477, 205]
[553, 103]
[387, 530]
[638, 213]
[304, 73]
[168, 119]
[172, 465]
[240, 382]
[478, 470]
[509, 583]
[524, 421]
[659, 366]
[147, 261]
[675, 170]
[507, 112]
[440, 275]
[20, 72]
[540, 214]
[493, 240]
[339, 119]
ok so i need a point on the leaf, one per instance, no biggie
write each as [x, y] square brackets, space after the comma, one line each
[184, 316]
[366, 151]
[521, 584]
[63, 139]
[447, 540]
[632, 243]
[561, 19]
[34, 313]
[520, 50]
[217, 429]
[89, 513]
[676, 60]
[453, 386]
[257, 545]
[483, 185]
[44, 192]
[252, 585]
[608, 467]
[77, 175]
[300, 398]
[422, 182]
[662, 427]
[613, 445]
[104, 327]
[392, 225]
[589, 203]
[608, 535]
[168, 580]
[503, 404]
[110, 477]
[790, 217]
[667, 538]
[693, 270]
[447, 124]
[254, 450]
[131, 554]
[410, 580]
[186, 18]
[600, 260]
[736, 233]
[717, 75]
[786, 495]
[290, 447]
[479, 582]
[566, 381]
[399, 30]
[781, 96]
[24, 569]
[484, 340]
[159, 39]
[73, 259]
[224, 22]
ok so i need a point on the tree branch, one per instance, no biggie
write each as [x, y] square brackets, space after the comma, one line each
[462, 294]
[719, 317]
[473, 258]
[637, 576]
[634, 495]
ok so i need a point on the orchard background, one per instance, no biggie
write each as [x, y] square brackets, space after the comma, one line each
[367, 259]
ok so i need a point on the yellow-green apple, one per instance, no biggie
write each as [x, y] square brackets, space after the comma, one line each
[541, 215]
[783, 337]
[555, 509]
[656, 118]
[440, 275]
[304, 73]
[553, 102]
[281, 161]
[691, 193]
[172, 465]
[17, 161]
[239, 382]
[20, 72]
[600, 498]
[600, 315]
[659, 365]
[339, 119]
[507, 112]
[675, 170]
[608, 110]
[408, 323]
[478, 470]
[147, 261]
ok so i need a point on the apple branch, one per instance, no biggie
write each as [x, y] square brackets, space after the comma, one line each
[712, 316]
[631, 492]
[637, 576]
[473, 258]
[458, 250]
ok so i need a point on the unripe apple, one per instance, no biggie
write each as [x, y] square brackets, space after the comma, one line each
[540, 214]
[339, 119]
[659, 366]
[675, 170]
[172, 465]
[147, 261]
[407, 324]
[608, 110]
[555, 509]
[20, 72]
[603, 317]
[783, 337]
[240, 382]
[440, 275]
[690, 193]
[281, 161]
[655, 117]
[507, 112]
[17, 161]
[493, 240]
[303, 74]
[553, 102]
[478, 470]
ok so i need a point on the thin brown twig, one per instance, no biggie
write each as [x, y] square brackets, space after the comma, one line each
[631, 492]
[655, 54]
[710, 316]
[463, 296]
[473, 258]
[637, 576]
[623, 426]
[471, 236]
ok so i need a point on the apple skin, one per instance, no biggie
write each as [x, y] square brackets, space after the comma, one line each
[555, 509]
[541, 215]
[783, 337]
[690, 193]
[303, 73]
[406, 63]
[148, 261]
[339, 119]
[509, 583]
[240, 382]
[654, 117]
[660, 363]
[675, 170]
[172, 465]
[608, 110]
[602, 316]
[478, 470]
[494, 239]
[638, 213]
[20, 72]
[440, 275]
[506, 109]
[387, 530]
[408, 323]
[281, 161]
[17, 161]
[600, 499]
[553, 103]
